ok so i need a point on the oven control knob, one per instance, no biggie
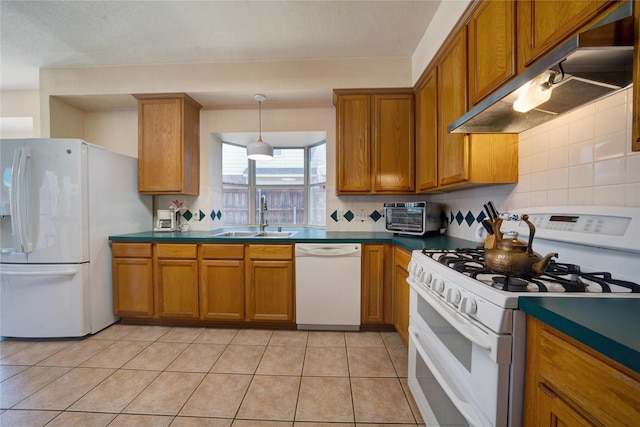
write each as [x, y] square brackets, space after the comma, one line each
[426, 278]
[453, 296]
[469, 306]
[438, 285]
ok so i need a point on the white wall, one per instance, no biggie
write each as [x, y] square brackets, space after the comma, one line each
[20, 114]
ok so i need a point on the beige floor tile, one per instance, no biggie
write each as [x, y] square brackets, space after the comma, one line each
[289, 338]
[126, 420]
[412, 403]
[116, 331]
[219, 395]
[117, 354]
[26, 418]
[324, 399]
[239, 359]
[166, 394]
[370, 362]
[364, 339]
[81, 419]
[116, 392]
[181, 334]
[279, 360]
[147, 333]
[9, 346]
[7, 371]
[392, 339]
[255, 423]
[326, 339]
[380, 400]
[157, 356]
[216, 336]
[35, 352]
[307, 424]
[27, 382]
[400, 358]
[387, 425]
[76, 353]
[270, 398]
[326, 361]
[200, 422]
[252, 337]
[197, 358]
[64, 391]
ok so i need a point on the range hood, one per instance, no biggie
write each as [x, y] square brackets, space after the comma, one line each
[587, 67]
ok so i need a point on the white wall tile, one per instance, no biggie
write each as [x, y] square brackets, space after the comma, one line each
[609, 172]
[524, 165]
[559, 136]
[610, 195]
[581, 153]
[581, 196]
[521, 200]
[524, 184]
[610, 146]
[633, 168]
[613, 100]
[611, 120]
[558, 197]
[538, 198]
[581, 129]
[555, 124]
[539, 162]
[581, 176]
[587, 110]
[524, 145]
[633, 195]
[558, 178]
[539, 181]
[558, 158]
[540, 141]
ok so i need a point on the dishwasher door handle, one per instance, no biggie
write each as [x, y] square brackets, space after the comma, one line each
[328, 250]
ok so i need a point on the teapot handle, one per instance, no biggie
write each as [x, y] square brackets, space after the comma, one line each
[496, 229]
[532, 232]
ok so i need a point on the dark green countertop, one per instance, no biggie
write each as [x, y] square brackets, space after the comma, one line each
[611, 326]
[303, 235]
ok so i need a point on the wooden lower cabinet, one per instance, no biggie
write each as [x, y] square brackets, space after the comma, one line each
[376, 293]
[401, 259]
[569, 384]
[132, 272]
[222, 281]
[269, 285]
[176, 280]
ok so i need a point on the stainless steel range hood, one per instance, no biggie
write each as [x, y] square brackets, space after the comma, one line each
[587, 67]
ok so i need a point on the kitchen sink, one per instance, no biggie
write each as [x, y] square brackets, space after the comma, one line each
[276, 234]
[236, 234]
[264, 234]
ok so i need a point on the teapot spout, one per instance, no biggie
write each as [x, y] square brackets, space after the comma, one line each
[540, 266]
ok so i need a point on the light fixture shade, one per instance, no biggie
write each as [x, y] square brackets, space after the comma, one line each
[259, 150]
[534, 93]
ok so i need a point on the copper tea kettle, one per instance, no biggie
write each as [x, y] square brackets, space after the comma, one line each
[513, 257]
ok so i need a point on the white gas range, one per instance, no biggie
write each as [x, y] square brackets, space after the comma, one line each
[467, 337]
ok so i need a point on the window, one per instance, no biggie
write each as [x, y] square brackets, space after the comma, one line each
[293, 182]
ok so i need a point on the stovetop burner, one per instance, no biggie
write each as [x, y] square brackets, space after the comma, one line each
[558, 277]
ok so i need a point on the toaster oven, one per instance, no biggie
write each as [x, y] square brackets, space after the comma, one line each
[412, 218]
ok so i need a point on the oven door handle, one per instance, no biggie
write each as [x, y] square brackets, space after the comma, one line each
[466, 409]
[470, 331]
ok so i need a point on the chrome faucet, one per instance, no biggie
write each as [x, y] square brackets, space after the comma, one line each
[263, 209]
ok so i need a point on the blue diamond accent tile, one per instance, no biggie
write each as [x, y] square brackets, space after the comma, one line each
[459, 218]
[481, 217]
[187, 215]
[451, 219]
[219, 214]
[213, 215]
[375, 216]
[349, 216]
[470, 218]
[334, 216]
[201, 215]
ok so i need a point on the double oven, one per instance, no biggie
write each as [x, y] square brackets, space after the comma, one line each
[466, 334]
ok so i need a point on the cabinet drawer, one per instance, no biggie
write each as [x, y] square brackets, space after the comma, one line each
[189, 251]
[222, 251]
[271, 251]
[131, 250]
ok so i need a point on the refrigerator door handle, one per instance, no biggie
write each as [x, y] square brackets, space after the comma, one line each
[39, 273]
[17, 197]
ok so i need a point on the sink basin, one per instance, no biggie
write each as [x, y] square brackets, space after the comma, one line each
[236, 234]
[276, 234]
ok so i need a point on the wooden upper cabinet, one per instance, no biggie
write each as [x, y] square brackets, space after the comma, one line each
[635, 144]
[394, 143]
[427, 133]
[492, 42]
[353, 127]
[375, 140]
[545, 24]
[453, 161]
[168, 144]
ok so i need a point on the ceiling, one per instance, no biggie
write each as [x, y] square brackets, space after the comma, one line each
[61, 34]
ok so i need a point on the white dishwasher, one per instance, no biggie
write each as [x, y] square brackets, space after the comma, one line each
[328, 286]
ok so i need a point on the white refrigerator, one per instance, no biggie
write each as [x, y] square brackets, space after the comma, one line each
[60, 199]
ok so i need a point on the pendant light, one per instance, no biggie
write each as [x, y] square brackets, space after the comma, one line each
[259, 150]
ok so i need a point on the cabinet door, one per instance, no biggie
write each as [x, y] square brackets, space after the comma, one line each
[401, 293]
[394, 143]
[222, 289]
[353, 143]
[492, 61]
[545, 24]
[453, 150]
[133, 287]
[177, 288]
[376, 284]
[270, 290]
[427, 133]
[555, 412]
[635, 145]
